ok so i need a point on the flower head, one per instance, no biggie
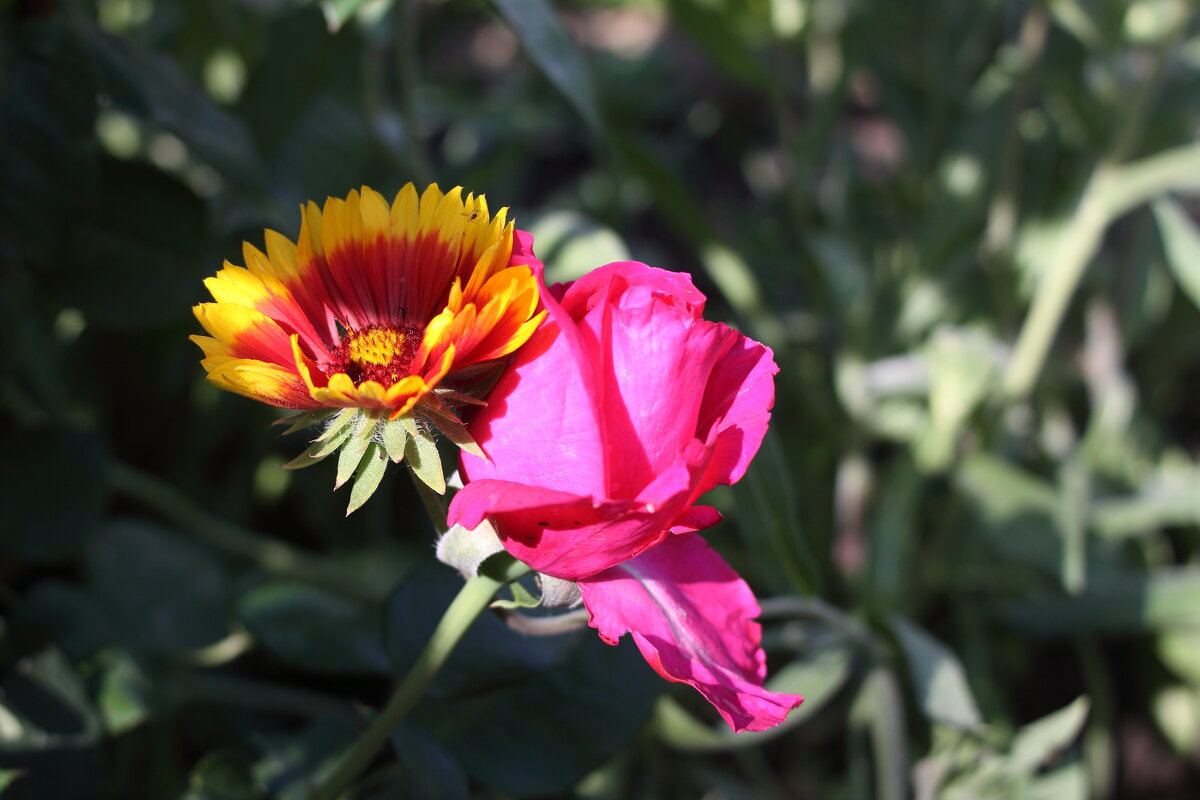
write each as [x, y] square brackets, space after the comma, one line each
[378, 307]
[373, 306]
[620, 411]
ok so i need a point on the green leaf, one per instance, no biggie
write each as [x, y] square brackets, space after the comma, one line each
[366, 480]
[939, 681]
[52, 490]
[139, 255]
[521, 598]
[422, 454]
[319, 450]
[1179, 650]
[124, 695]
[1181, 240]
[961, 370]
[339, 424]
[338, 12]
[295, 763]
[769, 521]
[224, 775]
[161, 592]
[549, 46]
[152, 87]
[427, 770]
[394, 440]
[45, 707]
[1038, 742]
[314, 629]
[588, 709]
[1065, 783]
[1114, 602]
[715, 28]
[305, 419]
[892, 534]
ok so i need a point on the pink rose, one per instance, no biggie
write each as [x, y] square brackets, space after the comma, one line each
[618, 413]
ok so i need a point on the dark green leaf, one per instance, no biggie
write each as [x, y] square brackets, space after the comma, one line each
[587, 709]
[427, 770]
[162, 593]
[550, 47]
[314, 629]
[139, 256]
[66, 615]
[491, 654]
[715, 28]
[1113, 603]
[224, 775]
[769, 521]
[53, 490]
[294, 763]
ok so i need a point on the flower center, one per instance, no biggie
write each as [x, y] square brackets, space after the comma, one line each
[380, 353]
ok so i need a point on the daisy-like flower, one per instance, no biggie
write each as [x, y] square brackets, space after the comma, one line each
[391, 312]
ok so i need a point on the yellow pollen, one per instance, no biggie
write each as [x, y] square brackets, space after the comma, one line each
[378, 346]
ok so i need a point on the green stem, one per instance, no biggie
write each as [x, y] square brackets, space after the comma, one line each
[470, 602]
[1105, 197]
[1076, 245]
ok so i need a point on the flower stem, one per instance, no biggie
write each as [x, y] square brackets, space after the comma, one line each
[1102, 201]
[470, 602]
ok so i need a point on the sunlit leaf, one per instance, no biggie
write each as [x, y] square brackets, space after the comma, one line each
[1181, 240]
[939, 681]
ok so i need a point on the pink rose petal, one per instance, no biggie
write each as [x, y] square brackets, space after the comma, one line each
[692, 618]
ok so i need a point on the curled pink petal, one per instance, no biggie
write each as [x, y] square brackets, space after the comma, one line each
[692, 618]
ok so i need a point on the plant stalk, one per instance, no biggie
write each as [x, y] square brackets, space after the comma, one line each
[475, 596]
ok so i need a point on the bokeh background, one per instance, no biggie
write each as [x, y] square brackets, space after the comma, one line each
[964, 228]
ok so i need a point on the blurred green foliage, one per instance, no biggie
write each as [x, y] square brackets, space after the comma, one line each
[964, 228]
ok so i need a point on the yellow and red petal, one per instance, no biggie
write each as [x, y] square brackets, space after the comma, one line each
[433, 266]
[249, 333]
[267, 383]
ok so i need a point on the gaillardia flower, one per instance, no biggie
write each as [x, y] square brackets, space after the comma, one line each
[622, 409]
[391, 311]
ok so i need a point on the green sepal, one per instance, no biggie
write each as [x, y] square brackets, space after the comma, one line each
[364, 433]
[394, 439]
[318, 450]
[338, 423]
[304, 419]
[370, 473]
[521, 598]
[348, 461]
[422, 454]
